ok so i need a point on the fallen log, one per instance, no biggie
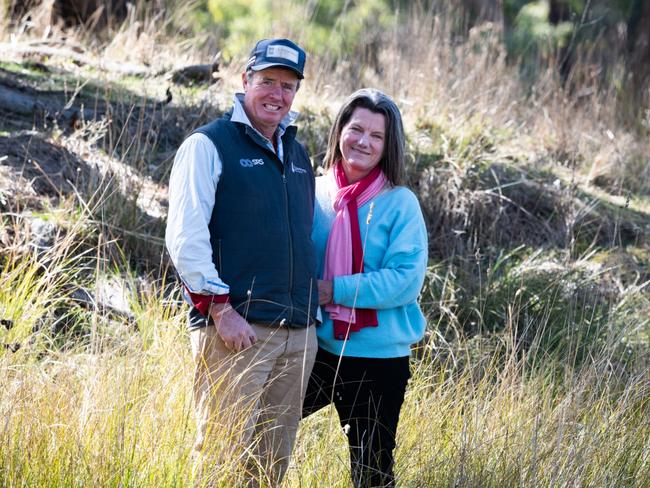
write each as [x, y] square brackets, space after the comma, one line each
[196, 74]
[76, 57]
[13, 101]
[25, 101]
[187, 75]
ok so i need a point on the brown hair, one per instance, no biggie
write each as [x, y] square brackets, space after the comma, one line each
[392, 161]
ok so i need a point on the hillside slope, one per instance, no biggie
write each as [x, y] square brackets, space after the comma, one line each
[537, 293]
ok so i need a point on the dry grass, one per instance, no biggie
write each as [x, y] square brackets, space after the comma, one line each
[122, 417]
[505, 173]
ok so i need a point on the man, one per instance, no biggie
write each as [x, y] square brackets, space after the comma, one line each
[241, 200]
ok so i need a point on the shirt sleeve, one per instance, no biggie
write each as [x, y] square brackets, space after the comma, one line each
[192, 187]
[399, 280]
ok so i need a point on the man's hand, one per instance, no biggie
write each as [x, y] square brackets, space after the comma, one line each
[235, 332]
[325, 292]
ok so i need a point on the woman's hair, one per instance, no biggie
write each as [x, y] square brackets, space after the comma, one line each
[392, 161]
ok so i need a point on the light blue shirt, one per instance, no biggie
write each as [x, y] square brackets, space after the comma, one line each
[395, 261]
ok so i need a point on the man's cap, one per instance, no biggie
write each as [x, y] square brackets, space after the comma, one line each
[284, 53]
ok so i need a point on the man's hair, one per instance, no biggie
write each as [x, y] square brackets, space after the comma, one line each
[250, 73]
[392, 161]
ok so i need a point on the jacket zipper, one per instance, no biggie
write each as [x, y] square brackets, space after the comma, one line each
[286, 207]
[219, 256]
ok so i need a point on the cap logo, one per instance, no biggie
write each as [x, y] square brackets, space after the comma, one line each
[283, 52]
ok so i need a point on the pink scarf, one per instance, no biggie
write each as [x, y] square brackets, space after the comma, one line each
[344, 254]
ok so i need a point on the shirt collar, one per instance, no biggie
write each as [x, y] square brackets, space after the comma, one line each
[239, 115]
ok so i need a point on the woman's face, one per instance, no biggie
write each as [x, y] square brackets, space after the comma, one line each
[362, 143]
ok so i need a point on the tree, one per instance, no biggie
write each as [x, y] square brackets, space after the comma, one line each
[91, 13]
[560, 11]
[638, 49]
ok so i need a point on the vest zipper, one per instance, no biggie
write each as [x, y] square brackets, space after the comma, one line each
[219, 257]
[286, 207]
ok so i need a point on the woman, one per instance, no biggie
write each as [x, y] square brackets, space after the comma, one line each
[371, 244]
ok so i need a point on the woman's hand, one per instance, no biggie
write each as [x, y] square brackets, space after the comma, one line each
[325, 292]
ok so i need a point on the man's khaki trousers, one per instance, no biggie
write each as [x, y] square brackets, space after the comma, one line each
[248, 404]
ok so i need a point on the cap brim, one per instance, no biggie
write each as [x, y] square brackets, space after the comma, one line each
[261, 67]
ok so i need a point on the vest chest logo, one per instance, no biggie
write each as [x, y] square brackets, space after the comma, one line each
[249, 163]
[296, 169]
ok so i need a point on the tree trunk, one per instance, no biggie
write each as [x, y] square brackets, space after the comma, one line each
[90, 13]
[95, 13]
[560, 11]
[638, 32]
[24, 101]
[478, 11]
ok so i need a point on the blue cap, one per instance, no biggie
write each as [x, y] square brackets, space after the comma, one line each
[269, 53]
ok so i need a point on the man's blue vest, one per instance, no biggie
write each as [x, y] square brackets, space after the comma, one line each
[261, 224]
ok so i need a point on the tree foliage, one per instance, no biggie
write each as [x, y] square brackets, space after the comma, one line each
[605, 35]
[328, 26]
[536, 33]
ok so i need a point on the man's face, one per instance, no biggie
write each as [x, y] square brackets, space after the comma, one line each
[268, 97]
